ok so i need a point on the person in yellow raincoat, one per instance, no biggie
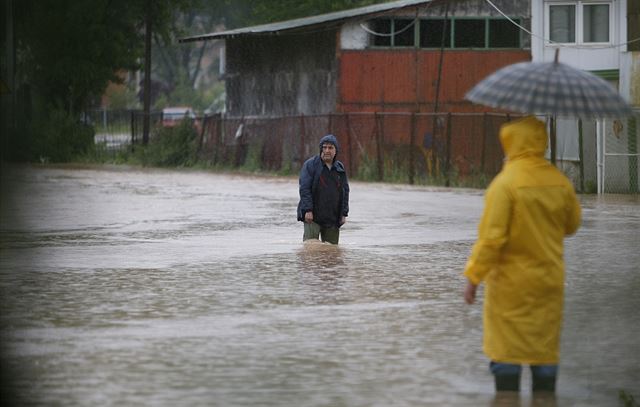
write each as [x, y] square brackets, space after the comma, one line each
[530, 207]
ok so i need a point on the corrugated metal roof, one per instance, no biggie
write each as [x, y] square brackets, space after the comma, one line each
[322, 19]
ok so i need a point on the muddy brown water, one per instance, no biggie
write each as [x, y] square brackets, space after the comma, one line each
[123, 286]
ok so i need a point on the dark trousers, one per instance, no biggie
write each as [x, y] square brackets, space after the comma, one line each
[508, 376]
[315, 231]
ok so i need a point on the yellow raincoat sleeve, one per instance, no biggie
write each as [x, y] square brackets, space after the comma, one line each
[574, 214]
[492, 232]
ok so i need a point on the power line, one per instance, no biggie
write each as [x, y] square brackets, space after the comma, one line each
[391, 34]
[415, 20]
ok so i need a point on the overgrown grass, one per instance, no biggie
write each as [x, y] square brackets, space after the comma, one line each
[177, 147]
[252, 161]
[397, 168]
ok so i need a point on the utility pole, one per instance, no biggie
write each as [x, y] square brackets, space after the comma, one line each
[8, 90]
[147, 75]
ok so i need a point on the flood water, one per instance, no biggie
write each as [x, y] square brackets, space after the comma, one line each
[124, 286]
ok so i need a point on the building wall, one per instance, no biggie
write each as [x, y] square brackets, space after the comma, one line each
[406, 79]
[281, 75]
[588, 58]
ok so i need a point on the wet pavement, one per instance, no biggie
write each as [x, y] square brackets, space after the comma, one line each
[124, 286]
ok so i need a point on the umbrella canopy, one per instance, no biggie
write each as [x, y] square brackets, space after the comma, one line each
[549, 88]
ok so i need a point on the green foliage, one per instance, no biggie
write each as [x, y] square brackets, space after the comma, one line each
[396, 170]
[70, 49]
[122, 97]
[253, 158]
[170, 147]
[57, 137]
[590, 187]
[267, 11]
[184, 94]
[627, 399]
[186, 74]
[367, 169]
[67, 51]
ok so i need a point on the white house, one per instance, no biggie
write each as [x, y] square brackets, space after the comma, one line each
[598, 36]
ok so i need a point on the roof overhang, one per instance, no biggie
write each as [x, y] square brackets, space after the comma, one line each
[308, 23]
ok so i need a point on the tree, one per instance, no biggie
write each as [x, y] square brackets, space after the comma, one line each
[178, 67]
[266, 11]
[68, 50]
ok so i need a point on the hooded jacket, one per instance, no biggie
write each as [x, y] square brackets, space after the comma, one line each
[310, 174]
[530, 207]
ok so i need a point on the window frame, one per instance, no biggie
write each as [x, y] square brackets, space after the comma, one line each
[579, 21]
[519, 32]
[451, 21]
[487, 32]
[447, 21]
[392, 38]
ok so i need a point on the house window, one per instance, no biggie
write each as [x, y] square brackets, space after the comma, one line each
[595, 23]
[479, 33]
[381, 26]
[404, 30]
[579, 22]
[503, 34]
[562, 23]
[469, 33]
[393, 32]
[431, 32]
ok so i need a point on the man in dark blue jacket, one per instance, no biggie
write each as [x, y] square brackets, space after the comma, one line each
[324, 193]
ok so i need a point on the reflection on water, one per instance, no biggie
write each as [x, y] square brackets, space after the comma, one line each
[184, 288]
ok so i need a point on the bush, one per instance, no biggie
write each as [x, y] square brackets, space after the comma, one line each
[171, 147]
[59, 138]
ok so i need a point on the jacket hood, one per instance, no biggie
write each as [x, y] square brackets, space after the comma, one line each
[523, 137]
[330, 138]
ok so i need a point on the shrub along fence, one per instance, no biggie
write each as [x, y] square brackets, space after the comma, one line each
[445, 149]
[453, 149]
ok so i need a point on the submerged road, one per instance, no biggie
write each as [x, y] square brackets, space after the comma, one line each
[123, 286]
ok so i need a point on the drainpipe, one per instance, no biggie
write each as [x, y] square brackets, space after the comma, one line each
[600, 155]
[581, 155]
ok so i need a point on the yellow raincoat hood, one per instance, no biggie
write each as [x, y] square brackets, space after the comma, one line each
[522, 138]
[530, 207]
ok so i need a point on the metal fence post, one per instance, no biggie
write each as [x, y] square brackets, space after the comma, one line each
[632, 149]
[133, 128]
[349, 155]
[216, 147]
[484, 142]
[447, 163]
[302, 140]
[412, 138]
[552, 139]
[202, 131]
[379, 158]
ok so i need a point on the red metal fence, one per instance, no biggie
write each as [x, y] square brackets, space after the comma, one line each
[442, 148]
